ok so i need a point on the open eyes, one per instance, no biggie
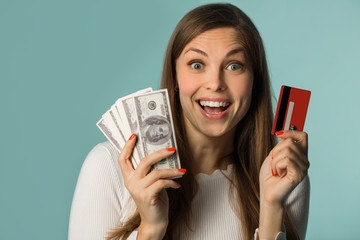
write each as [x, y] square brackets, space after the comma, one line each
[197, 65]
[232, 66]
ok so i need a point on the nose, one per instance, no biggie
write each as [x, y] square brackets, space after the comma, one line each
[215, 81]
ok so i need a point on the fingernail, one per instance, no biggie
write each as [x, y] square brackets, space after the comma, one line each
[132, 136]
[178, 184]
[182, 170]
[278, 174]
[272, 172]
[172, 149]
[279, 133]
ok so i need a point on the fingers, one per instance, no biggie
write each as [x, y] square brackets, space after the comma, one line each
[289, 156]
[150, 194]
[124, 159]
[146, 189]
[162, 184]
[141, 176]
[298, 137]
[155, 175]
[145, 164]
[289, 147]
[288, 162]
[290, 168]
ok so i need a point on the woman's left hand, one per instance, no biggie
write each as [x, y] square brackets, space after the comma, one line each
[284, 168]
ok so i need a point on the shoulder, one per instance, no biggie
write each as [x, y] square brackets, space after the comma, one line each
[100, 195]
[101, 169]
[102, 159]
[103, 154]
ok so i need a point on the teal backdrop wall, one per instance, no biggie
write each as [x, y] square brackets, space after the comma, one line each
[63, 63]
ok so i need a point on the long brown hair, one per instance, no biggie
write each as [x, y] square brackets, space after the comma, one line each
[253, 140]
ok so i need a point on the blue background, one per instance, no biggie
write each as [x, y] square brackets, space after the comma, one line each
[63, 63]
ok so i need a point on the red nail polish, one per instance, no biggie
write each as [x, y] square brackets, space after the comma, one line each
[278, 174]
[279, 133]
[132, 136]
[178, 184]
[182, 170]
[172, 149]
[272, 172]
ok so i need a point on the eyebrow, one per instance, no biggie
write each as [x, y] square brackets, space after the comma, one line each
[232, 52]
[197, 50]
[235, 51]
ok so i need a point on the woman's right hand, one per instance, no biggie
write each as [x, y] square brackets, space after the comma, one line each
[148, 188]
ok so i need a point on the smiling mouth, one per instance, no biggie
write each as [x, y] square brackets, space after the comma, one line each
[214, 107]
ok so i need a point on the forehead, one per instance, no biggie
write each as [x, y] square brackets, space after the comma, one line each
[225, 35]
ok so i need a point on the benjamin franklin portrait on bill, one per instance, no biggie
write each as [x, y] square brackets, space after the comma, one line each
[156, 130]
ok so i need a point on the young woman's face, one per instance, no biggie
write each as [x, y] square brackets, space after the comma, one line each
[215, 82]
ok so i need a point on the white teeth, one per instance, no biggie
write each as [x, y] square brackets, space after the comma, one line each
[214, 104]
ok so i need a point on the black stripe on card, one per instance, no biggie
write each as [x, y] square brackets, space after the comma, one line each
[282, 109]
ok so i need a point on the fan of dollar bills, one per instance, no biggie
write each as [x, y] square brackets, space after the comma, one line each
[146, 113]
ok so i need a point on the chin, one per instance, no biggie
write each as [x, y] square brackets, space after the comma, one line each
[215, 132]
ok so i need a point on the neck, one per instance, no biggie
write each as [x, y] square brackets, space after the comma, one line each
[210, 153]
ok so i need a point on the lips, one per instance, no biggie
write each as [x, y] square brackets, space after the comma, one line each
[214, 108]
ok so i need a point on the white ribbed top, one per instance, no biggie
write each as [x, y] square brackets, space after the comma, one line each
[101, 202]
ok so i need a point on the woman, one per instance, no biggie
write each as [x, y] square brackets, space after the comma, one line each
[237, 179]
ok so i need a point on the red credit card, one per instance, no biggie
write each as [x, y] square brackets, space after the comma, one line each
[291, 109]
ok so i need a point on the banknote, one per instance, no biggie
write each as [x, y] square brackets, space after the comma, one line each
[118, 123]
[107, 133]
[126, 108]
[156, 128]
[146, 113]
[107, 124]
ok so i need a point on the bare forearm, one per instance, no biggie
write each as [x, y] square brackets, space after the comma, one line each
[150, 233]
[271, 221]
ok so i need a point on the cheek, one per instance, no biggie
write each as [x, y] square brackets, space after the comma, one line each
[187, 85]
[243, 88]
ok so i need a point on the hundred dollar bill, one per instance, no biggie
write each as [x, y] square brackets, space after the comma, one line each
[127, 112]
[118, 123]
[107, 125]
[156, 129]
[101, 124]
